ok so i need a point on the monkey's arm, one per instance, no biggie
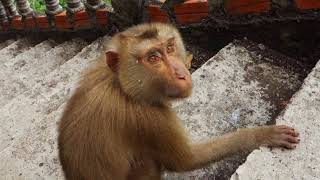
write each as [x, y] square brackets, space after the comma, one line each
[177, 155]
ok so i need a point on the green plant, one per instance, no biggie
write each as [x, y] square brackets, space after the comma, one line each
[40, 6]
[37, 5]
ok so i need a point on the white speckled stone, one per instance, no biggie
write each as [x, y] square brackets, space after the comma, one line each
[303, 163]
[28, 145]
[232, 83]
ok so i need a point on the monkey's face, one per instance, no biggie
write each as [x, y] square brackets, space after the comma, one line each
[149, 63]
[165, 64]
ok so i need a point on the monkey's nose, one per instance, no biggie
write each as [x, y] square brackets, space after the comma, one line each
[179, 70]
[180, 74]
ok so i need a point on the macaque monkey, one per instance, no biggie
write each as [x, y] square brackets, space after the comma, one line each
[119, 125]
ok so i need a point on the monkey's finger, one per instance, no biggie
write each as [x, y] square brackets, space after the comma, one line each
[291, 139]
[291, 132]
[287, 144]
[287, 130]
[284, 127]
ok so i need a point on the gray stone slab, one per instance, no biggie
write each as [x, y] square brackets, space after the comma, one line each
[303, 163]
[236, 88]
[27, 69]
[28, 145]
[6, 43]
[14, 49]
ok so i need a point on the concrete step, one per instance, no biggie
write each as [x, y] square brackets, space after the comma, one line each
[303, 113]
[8, 71]
[236, 88]
[28, 55]
[28, 134]
[29, 68]
[15, 48]
[6, 43]
[239, 87]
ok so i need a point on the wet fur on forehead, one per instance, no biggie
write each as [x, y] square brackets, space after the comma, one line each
[145, 35]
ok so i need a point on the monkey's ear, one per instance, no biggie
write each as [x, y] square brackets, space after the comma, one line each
[112, 59]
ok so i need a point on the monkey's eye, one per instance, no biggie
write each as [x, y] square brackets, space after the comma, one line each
[154, 57]
[170, 48]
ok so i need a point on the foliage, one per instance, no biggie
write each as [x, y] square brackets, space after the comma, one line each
[39, 5]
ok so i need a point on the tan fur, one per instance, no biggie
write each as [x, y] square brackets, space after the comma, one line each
[115, 128]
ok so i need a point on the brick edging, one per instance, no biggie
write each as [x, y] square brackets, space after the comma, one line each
[80, 20]
[189, 12]
[193, 11]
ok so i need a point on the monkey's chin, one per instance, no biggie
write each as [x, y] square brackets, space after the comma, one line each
[178, 94]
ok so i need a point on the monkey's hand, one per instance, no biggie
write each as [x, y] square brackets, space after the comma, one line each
[277, 136]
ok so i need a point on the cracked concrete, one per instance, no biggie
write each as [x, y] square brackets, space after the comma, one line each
[303, 113]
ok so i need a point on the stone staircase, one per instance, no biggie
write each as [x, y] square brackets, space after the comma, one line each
[303, 112]
[241, 86]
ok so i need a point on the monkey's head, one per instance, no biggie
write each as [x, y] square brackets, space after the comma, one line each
[148, 61]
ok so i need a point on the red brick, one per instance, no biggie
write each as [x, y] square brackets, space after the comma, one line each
[44, 26]
[63, 25]
[30, 23]
[190, 18]
[192, 6]
[238, 7]
[308, 4]
[102, 22]
[61, 17]
[155, 10]
[237, 3]
[82, 24]
[81, 15]
[17, 23]
[159, 19]
[43, 22]
[61, 21]
[42, 18]
[101, 13]
[5, 26]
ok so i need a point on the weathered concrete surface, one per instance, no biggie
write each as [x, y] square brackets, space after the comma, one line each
[14, 49]
[28, 68]
[28, 148]
[6, 43]
[227, 95]
[303, 113]
[236, 88]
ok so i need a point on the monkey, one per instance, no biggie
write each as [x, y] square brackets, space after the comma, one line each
[119, 124]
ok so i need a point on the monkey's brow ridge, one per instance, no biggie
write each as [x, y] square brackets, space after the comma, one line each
[149, 34]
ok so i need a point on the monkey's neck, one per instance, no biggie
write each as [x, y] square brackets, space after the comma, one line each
[139, 98]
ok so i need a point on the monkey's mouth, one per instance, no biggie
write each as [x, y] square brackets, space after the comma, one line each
[179, 90]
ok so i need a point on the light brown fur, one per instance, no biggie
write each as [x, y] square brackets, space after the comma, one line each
[119, 124]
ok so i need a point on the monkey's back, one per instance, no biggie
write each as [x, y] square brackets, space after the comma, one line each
[90, 124]
[101, 130]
